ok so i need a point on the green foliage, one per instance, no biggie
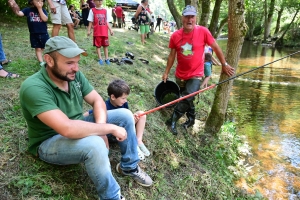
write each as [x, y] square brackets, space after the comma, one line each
[110, 3]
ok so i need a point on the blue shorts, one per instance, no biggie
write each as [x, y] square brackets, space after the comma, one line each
[38, 40]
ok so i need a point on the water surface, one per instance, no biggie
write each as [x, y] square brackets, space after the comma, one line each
[267, 102]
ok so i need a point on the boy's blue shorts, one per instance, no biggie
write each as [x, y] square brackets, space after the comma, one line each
[38, 40]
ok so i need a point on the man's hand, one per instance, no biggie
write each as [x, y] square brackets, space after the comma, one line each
[120, 133]
[165, 77]
[227, 69]
[52, 7]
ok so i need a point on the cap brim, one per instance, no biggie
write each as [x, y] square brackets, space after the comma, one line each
[72, 52]
[189, 13]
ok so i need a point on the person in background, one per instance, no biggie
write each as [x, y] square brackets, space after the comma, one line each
[5, 61]
[37, 18]
[84, 6]
[60, 15]
[113, 14]
[142, 18]
[119, 15]
[207, 69]
[208, 49]
[123, 20]
[158, 22]
[149, 20]
[166, 27]
[74, 16]
[91, 3]
[98, 19]
[187, 45]
[152, 24]
[56, 94]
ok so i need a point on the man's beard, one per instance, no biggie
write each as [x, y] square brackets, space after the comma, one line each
[56, 72]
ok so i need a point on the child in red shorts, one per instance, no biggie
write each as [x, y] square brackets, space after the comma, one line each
[98, 19]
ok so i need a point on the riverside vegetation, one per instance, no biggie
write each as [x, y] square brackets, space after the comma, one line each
[181, 166]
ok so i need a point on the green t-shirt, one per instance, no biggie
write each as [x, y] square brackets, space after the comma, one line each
[39, 94]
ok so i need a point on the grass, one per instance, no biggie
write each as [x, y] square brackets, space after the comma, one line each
[181, 167]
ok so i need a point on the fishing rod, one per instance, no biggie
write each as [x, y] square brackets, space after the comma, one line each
[211, 87]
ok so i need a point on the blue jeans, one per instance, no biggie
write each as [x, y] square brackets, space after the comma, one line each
[2, 54]
[93, 153]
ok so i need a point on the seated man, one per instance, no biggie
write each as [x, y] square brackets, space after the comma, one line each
[51, 102]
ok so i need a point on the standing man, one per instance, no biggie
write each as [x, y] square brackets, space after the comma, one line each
[187, 44]
[119, 15]
[113, 14]
[60, 15]
[158, 22]
[52, 101]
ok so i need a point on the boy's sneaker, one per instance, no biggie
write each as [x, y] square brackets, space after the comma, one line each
[139, 176]
[140, 154]
[144, 149]
[100, 61]
[107, 62]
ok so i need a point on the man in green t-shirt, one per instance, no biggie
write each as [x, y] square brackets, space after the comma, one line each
[52, 101]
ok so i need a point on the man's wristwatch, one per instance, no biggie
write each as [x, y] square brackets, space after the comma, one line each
[225, 64]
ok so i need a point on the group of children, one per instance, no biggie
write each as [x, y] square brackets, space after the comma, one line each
[37, 18]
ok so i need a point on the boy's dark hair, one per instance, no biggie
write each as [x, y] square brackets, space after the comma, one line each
[118, 88]
[208, 57]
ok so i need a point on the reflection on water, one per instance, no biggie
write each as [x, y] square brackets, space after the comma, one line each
[267, 106]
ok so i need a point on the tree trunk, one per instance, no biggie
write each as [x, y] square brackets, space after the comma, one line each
[175, 13]
[215, 17]
[278, 20]
[268, 20]
[237, 29]
[279, 41]
[205, 13]
[222, 24]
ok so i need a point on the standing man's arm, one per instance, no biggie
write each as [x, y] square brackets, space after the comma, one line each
[52, 7]
[170, 63]
[226, 68]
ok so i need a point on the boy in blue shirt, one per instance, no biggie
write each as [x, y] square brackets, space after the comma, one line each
[207, 69]
[37, 18]
[118, 91]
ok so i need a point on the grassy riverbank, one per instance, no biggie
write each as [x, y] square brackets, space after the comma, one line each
[181, 167]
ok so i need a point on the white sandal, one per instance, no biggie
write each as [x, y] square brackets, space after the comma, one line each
[140, 154]
[144, 149]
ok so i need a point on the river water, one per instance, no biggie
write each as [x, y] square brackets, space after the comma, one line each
[267, 106]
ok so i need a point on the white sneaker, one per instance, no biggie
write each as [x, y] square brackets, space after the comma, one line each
[140, 154]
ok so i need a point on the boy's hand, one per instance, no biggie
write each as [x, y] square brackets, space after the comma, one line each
[38, 5]
[111, 33]
[136, 117]
[14, 6]
[88, 32]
